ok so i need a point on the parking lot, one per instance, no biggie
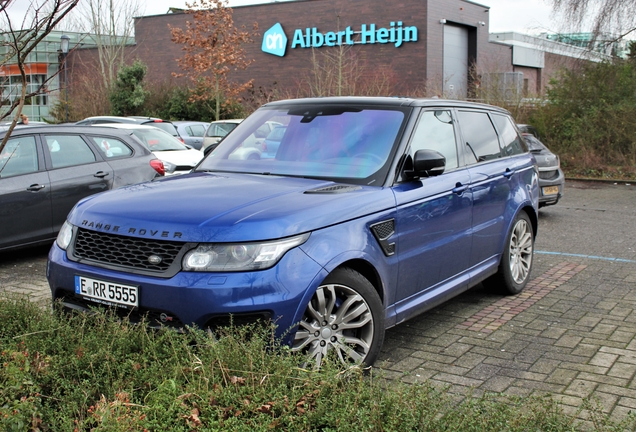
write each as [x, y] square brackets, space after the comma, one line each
[571, 333]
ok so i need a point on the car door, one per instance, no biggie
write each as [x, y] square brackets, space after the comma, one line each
[25, 213]
[195, 135]
[76, 170]
[490, 183]
[434, 218]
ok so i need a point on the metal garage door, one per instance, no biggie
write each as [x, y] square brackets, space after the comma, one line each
[455, 62]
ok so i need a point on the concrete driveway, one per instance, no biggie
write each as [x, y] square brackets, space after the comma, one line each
[571, 333]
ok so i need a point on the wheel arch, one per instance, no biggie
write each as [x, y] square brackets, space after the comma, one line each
[369, 272]
[534, 218]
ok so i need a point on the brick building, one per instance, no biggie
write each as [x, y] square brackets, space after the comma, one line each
[434, 47]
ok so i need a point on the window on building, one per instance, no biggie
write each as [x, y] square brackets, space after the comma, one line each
[11, 87]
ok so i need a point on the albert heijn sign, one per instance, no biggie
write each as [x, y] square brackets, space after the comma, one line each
[275, 40]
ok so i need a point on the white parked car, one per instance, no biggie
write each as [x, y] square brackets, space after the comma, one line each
[177, 157]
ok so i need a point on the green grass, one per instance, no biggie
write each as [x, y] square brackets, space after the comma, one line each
[91, 372]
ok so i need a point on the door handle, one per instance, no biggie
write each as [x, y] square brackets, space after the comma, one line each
[100, 174]
[35, 187]
[508, 173]
[459, 188]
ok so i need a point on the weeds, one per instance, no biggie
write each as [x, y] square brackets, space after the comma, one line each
[92, 372]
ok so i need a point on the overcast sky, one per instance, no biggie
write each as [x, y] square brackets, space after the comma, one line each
[523, 16]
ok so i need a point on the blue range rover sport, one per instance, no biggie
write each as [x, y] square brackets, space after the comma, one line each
[372, 210]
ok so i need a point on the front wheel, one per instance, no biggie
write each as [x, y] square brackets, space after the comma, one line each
[516, 261]
[345, 316]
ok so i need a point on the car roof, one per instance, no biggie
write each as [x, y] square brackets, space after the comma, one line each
[237, 121]
[84, 129]
[129, 119]
[385, 101]
[188, 122]
[125, 126]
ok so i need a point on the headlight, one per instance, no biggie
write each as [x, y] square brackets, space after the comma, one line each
[65, 235]
[239, 256]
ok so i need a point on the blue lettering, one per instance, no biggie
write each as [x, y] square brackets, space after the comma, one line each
[382, 35]
[298, 39]
[330, 39]
[349, 34]
[370, 34]
[340, 35]
[311, 37]
[317, 38]
[410, 34]
[398, 42]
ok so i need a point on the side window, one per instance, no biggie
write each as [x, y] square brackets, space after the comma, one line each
[480, 138]
[19, 156]
[510, 140]
[195, 130]
[435, 131]
[68, 150]
[111, 147]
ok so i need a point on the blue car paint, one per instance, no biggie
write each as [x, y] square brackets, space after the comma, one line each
[466, 212]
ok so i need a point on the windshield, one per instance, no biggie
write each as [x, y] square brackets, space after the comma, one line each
[344, 143]
[158, 140]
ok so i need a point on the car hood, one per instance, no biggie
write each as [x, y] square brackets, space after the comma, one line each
[189, 157]
[206, 207]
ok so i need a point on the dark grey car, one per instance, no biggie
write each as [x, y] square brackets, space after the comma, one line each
[551, 177]
[45, 170]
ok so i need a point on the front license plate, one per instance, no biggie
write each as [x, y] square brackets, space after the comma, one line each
[550, 190]
[109, 293]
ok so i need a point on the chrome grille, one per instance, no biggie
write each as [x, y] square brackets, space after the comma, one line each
[125, 251]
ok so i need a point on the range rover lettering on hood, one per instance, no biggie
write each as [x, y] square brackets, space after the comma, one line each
[131, 230]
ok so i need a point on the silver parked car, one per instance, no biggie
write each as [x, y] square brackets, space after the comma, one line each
[192, 132]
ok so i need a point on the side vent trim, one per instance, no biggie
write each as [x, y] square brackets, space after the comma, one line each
[383, 231]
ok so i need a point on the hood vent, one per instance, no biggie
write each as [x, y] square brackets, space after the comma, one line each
[335, 189]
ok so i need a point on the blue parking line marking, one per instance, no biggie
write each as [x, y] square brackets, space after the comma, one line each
[622, 260]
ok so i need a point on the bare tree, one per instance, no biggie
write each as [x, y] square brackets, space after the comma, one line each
[111, 25]
[617, 17]
[42, 17]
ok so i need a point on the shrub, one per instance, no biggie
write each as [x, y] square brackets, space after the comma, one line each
[589, 114]
[92, 372]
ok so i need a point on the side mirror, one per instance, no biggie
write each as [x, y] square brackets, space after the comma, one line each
[428, 163]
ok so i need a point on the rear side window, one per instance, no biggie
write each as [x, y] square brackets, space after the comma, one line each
[68, 150]
[480, 137]
[19, 156]
[220, 130]
[195, 130]
[511, 143]
[111, 147]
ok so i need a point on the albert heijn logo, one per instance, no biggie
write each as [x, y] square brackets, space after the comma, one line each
[275, 41]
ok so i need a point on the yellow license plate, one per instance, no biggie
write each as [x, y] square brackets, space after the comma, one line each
[550, 190]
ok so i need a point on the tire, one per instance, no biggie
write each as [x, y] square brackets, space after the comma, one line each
[344, 317]
[516, 261]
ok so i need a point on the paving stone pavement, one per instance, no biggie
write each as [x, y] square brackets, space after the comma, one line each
[570, 333]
